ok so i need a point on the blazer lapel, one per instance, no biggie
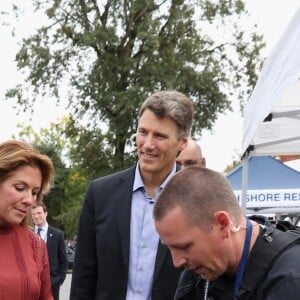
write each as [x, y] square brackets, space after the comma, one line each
[124, 213]
[162, 251]
[49, 233]
[49, 237]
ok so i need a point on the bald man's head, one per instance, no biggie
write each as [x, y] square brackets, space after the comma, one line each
[191, 155]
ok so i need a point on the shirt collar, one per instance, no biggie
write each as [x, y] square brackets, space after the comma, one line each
[44, 228]
[138, 181]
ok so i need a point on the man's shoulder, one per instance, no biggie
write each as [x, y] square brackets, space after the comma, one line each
[289, 259]
[281, 252]
[120, 175]
[54, 230]
[271, 248]
[283, 278]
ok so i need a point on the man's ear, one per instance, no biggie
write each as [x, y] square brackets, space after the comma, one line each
[222, 221]
[184, 142]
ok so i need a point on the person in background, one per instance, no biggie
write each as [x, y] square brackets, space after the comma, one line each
[25, 176]
[191, 155]
[55, 241]
[200, 220]
[118, 252]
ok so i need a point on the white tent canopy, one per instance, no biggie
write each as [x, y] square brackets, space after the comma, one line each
[272, 114]
[276, 97]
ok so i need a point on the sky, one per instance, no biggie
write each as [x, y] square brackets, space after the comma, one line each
[224, 143]
[220, 146]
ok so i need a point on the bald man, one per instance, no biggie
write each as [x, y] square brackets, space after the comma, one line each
[191, 155]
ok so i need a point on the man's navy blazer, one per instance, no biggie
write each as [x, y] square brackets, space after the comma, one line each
[102, 253]
[57, 255]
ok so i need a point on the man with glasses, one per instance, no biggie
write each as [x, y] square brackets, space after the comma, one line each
[191, 155]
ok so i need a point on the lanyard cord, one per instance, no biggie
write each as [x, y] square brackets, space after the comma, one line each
[206, 284]
[242, 264]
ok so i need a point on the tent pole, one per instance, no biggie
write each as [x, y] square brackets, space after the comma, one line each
[244, 183]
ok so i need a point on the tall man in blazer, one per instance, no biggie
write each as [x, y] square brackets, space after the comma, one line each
[118, 252]
[56, 247]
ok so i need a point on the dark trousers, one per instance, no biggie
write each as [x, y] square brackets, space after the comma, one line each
[55, 292]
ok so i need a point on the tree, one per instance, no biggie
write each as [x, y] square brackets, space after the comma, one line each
[50, 144]
[112, 54]
[78, 157]
[65, 197]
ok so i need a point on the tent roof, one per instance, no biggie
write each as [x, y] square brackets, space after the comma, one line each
[265, 172]
[276, 100]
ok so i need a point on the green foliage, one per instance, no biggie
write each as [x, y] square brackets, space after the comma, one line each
[78, 156]
[74, 194]
[64, 199]
[48, 142]
[105, 57]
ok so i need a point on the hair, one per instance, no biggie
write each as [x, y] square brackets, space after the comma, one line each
[174, 105]
[16, 154]
[199, 193]
[40, 204]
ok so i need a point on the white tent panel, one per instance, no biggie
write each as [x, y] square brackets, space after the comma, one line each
[272, 114]
[277, 95]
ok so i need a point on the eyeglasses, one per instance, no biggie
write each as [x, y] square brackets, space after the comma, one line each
[189, 162]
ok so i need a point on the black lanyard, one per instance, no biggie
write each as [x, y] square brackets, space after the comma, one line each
[243, 261]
